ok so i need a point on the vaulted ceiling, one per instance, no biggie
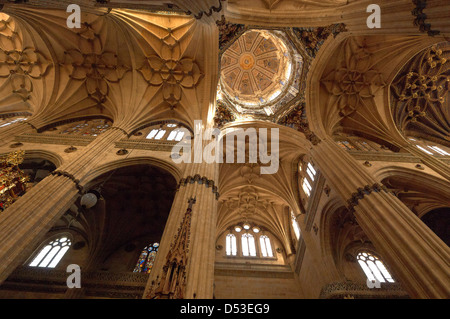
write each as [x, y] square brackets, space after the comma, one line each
[131, 66]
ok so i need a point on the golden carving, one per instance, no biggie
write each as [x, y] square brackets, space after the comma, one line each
[172, 76]
[12, 179]
[420, 92]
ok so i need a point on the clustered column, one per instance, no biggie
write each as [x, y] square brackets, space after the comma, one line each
[418, 257]
[199, 183]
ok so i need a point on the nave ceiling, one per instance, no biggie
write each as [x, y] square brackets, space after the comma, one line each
[131, 66]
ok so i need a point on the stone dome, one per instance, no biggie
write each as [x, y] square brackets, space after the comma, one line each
[256, 69]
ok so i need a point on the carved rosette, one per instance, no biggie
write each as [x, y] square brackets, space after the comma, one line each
[172, 76]
[21, 67]
[94, 65]
[354, 80]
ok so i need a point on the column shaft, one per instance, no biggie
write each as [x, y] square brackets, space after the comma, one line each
[418, 257]
[200, 249]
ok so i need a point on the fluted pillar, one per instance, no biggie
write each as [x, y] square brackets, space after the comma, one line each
[418, 258]
[198, 182]
[24, 223]
[200, 274]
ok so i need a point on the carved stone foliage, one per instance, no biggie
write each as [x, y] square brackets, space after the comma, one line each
[420, 18]
[199, 180]
[228, 33]
[366, 191]
[354, 80]
[313, 38]
[173, 280]
[420, 95]
[297, 119]
[247, 204]
[223, 115]
[356, 290]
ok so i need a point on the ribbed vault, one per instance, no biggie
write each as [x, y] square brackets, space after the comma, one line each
[132, 66]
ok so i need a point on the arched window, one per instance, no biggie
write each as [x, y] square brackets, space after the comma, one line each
[90, 127]
[295, 225]
[231, 247]
[176, 135]
[311, 171]
[429, 149]
[10, 121]
[266, 247]
[307, 188]
[146, 259]
[51, 254]
[156, 134]
[373, 267]
[248, 245]
[308, 176]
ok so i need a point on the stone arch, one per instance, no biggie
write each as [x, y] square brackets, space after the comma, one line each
[174, 170]
[341, 238]
[135, 197]
[419, 190]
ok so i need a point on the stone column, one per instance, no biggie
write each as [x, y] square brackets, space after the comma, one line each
[24, 223]
[418, 258]
[199, 182]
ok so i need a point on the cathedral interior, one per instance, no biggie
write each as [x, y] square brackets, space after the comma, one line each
[356, 115]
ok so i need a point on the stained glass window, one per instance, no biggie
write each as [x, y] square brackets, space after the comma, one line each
[147, 258]
[51, 254]
[345, 145]
[373, 267]
[93, 127]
